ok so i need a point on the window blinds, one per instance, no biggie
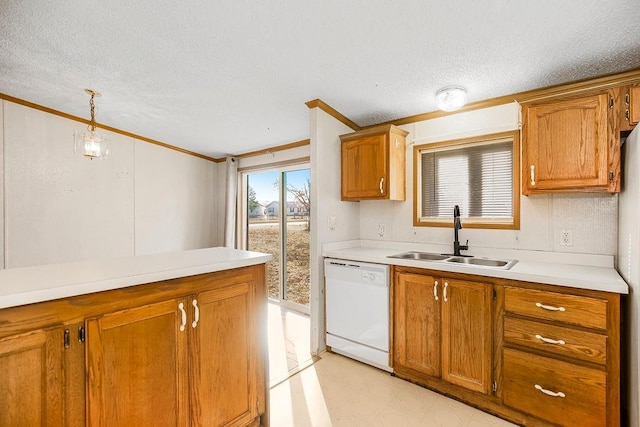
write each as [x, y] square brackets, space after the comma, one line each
[477, 177]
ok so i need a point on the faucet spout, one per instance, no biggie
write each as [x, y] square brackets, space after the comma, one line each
[457, 225]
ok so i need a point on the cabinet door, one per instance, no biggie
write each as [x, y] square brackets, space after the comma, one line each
[466, 334]
[416, 342]
[32, 378]
[634, 105]
[365, 168]
[223, 357]
[566, 145]
[137, 367]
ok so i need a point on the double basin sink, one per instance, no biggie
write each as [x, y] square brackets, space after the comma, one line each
[473, 261]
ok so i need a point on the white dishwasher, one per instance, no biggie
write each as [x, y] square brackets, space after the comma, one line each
[357, 310]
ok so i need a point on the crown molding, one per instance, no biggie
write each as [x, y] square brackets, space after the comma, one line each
[19, 101]
[318, 103]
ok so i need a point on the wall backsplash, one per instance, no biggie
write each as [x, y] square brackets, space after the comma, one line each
[592, 219]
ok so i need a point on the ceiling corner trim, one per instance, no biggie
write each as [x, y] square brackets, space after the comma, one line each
[28, 104]
[318, 103]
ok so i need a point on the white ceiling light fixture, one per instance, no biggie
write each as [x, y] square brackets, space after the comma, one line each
[90, 143]
[451, 98]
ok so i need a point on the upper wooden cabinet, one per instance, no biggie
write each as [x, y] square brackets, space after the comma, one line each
[373, 164]
[571, 145]
[443, 329]
[630, 110]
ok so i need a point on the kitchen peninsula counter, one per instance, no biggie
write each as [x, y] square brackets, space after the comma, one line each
[28, 285]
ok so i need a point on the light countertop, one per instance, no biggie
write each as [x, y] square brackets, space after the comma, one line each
[19, 286]
[582, 271]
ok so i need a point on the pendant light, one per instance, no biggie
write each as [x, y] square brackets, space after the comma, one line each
[451, 98]
[90, 143]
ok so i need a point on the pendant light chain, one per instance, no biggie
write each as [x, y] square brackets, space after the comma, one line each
[92, 126]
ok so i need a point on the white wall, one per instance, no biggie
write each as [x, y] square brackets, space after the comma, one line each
[592, 218]
[325, 134]
[629, 266]
[61, 207]
[175, 200]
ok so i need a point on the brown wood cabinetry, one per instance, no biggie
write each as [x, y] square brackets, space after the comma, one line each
[31, 369]
[630, 107]
[187, 351]
[571, 145]
[561, 356]
[442, 328]
[537, 355]
[373, 164]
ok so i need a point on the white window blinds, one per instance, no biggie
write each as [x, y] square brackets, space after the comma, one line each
[477, 176]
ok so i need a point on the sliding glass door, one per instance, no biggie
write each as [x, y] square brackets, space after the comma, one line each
[276, 211]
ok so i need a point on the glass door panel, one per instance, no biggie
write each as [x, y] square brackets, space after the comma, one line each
[296, 237]
[263, 228]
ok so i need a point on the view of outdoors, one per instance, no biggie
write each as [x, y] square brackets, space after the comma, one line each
[278, 228]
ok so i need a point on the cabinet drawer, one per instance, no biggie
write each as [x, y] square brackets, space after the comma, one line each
[581, 391]
[572, 309]
[582, 345]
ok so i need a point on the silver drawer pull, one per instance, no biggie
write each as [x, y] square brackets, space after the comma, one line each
[550, 341]
[549, 307]
[549, 392]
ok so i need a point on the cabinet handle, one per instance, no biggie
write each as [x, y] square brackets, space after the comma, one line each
[549, 392]
[549, 307]
[397, 143]
[533, 175]
[196, 314]
[444, 293]
[550, 341]
[627, 115]
[381, 183]
[184, 317]
[435, 290]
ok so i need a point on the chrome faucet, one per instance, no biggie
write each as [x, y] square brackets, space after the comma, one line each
[457, 225]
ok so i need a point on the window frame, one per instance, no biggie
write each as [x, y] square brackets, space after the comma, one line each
[511, 224]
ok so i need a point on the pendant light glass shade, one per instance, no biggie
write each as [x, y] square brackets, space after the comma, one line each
[90, 143]
[451, 98]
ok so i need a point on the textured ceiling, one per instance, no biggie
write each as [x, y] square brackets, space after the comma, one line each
[226, 77]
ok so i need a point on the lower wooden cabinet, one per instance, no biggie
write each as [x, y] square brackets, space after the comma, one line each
[561, 355]
[137, 367]
[184, 352]
[534, 354]
[32, 379]
[553, 390]
[442, 328]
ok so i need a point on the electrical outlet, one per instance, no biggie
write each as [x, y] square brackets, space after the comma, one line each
[382, 230]
[566, 239]
[331, 222]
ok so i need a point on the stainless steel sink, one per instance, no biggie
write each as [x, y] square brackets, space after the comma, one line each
[425, 256]
[484, 262]
[468, 260]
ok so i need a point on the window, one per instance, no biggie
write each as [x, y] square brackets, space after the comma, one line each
[478, 174]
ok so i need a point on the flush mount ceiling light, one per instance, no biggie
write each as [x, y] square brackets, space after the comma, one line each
[451, 98]
[90, 143]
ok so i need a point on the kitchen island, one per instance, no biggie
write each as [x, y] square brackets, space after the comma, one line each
[166, 339]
